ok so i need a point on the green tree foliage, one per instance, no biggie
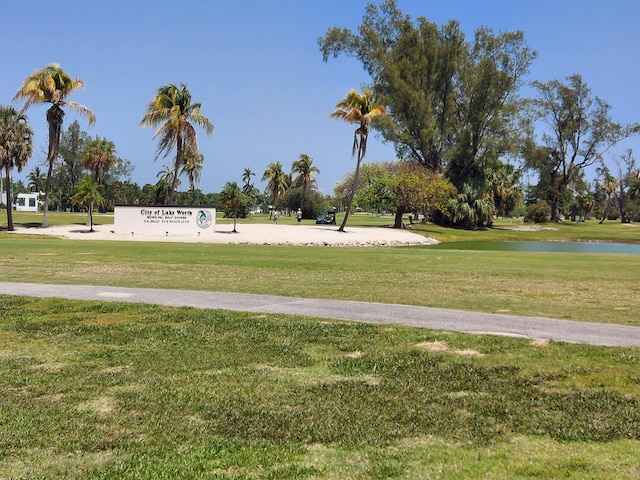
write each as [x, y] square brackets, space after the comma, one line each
[36, 179]
[53, 85]
[72, 144]
[315, 202]
[192, 167]
[232, 198]
[358, 109]
[414, 187]
[454, 102]
[277, 182]
[472, 208]
[451, 99]
[176, 117]
[88, 194]
[539, 212]
[404, 186]
[16, 147]
[627, 176]
[374, 191]
[304, 171]
[99, 155]
[503, 183]
[578, 132]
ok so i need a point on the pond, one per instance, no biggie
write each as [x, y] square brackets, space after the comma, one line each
[562, 247]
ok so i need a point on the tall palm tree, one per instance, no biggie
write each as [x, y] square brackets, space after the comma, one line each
[53, 85]
[175, 116]
[232, 197]
[37, 179]
[16, 147]
[304, 171]
[193, 168]
[276, 181]
[246, 179]
[358, 109]
[88, 194]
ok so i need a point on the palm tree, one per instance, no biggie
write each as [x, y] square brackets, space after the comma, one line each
[166, 175]
[304, 171]
[175, 116]
[609, 186]
[246, 179]
[232, 197]
[16, 147]
[88, 194]
[53, 85]
[276, 181]
[36, 179]
[358, 109]
[99, 155]
[193, 168]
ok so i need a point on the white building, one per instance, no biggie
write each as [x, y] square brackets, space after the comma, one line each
[27, 202]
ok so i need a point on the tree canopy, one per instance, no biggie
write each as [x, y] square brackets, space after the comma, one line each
[578, 132]
[450, 101]
[53, 85]
[176, 117]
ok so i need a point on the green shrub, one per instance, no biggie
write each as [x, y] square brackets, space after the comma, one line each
[539, 212]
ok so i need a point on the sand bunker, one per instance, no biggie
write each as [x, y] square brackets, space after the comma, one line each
[253, 234]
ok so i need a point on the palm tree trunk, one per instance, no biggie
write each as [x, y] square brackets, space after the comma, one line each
[606, 210]
[176, 167]
[55, 116]
[9, 203]
[91, 217]
[354, 187]
[304, 189]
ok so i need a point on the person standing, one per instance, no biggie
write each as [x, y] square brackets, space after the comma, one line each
[275, 216]
[299, 215]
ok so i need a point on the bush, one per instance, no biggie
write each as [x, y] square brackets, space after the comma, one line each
[539, 212]
[314, 204]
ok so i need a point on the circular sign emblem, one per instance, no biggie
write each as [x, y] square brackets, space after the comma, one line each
[203, 219]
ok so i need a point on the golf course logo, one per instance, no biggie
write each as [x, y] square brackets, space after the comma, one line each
[203, 219]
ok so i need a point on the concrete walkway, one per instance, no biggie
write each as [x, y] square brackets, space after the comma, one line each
[435, 318]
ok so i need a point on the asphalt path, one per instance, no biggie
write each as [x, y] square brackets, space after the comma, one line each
[434, 318]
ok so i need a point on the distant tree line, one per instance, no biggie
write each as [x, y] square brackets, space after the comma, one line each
[450, 105]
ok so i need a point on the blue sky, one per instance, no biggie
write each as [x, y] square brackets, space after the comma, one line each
[256, 68]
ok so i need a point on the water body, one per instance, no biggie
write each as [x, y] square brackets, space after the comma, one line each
[555, 247]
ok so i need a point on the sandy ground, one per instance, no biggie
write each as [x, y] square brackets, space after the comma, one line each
[255, 234]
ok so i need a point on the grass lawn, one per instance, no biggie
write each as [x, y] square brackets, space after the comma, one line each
[582, 287]
[108, 390]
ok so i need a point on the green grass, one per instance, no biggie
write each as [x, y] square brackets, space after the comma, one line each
[583, 287]
[106, 390]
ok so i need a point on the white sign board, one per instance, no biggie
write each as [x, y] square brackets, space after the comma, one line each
[164, 221]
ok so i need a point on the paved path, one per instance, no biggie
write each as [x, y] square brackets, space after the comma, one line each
[461, 321]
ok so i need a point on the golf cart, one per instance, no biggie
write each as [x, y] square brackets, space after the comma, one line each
[328, 218]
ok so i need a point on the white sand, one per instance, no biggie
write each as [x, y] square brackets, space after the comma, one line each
[255, 234]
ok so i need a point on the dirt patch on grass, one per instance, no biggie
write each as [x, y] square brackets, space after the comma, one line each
[529, 228]
[442, 347]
